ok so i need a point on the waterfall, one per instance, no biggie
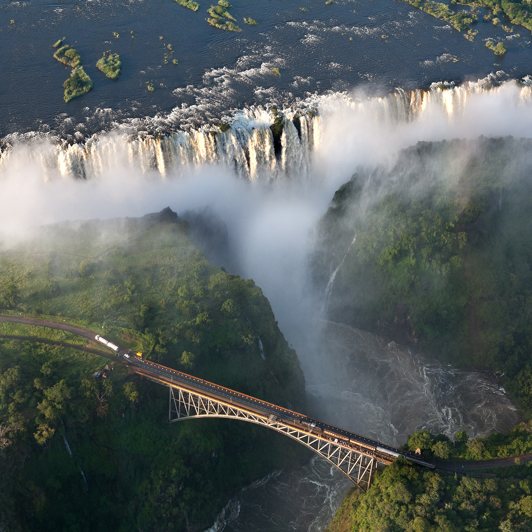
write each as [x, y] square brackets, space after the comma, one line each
[261, 347]
[69, 450]
[329, 287]
[247, 146]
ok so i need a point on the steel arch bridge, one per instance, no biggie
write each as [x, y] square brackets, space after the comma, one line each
[356, 466]
[190, 397]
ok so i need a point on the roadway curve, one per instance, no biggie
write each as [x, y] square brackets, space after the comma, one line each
[50, 325]
[461, 466]
[60, 344]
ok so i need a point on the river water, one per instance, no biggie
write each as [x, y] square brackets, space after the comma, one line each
[359, 81]
[378, 44]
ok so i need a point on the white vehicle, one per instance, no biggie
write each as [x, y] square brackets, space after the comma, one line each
[126, 355]
[105, 342]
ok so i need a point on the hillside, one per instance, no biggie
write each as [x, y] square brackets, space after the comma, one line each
[406, 498]
[435, 252]
[142, 283]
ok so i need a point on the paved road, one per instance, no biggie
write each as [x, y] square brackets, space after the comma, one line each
[50, 325]
[60, 344]
[477, 465]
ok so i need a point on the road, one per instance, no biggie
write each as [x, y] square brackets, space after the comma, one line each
[49, 324]
[60, 344]
[169, 376]
[478, 465]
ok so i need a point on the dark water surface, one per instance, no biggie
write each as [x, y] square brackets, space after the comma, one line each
[382, 45]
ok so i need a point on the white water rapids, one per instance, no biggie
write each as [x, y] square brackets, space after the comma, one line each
[270, 203]
[247, 147]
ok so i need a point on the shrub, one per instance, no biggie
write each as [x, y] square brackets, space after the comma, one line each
[189, 4]
[78, 84]
[110, 65]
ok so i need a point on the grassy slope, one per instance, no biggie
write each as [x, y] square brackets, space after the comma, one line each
[142, 283]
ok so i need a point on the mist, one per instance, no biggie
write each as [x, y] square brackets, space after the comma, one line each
[270, 221]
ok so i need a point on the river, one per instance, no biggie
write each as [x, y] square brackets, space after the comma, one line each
[377, 45]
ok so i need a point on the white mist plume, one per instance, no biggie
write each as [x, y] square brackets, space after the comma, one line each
[269, 222]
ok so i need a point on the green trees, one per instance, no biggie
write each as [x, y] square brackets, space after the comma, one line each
[408, 498]
[110, 65]
[430, 265]
[498, 49]
[9, 292]
[152, 291]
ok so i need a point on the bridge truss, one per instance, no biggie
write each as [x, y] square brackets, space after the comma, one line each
[357, 466]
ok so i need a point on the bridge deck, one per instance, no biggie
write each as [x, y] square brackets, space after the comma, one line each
[171, 377]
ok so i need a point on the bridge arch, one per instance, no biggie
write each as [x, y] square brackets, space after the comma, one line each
[358, 467]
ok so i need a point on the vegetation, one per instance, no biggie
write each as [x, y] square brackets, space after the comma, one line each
[224, 127]
[77, 84]
[190, 4]
[219, 13]
[68, 56]
[442, 255]
[406, 497]
[459, 21]
[250, 21]
[275, 70]
[498, 49]
[227, 25]
[141, 283]
[517, 11]
[110, 65]
[517, 441]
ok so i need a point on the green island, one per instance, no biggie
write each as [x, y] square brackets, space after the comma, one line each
[517, 11]
[141, 283]
[190, 4]
[218, 13]
[498, 49]
[110, 65]
[67, 55]
[77, 84]
[459, 21]
[250, 22]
